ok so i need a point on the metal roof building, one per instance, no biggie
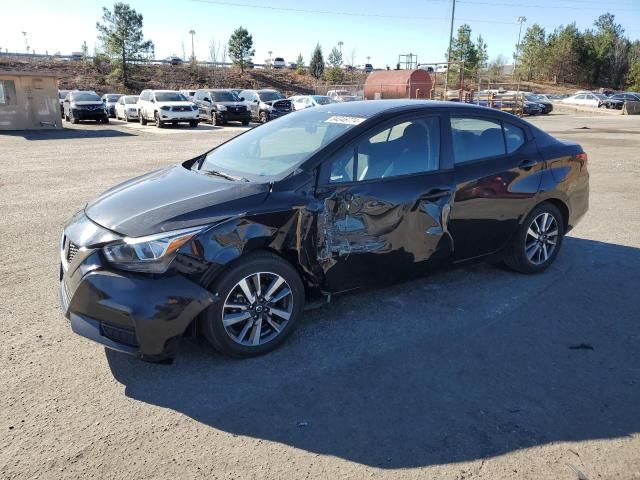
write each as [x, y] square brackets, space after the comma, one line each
[29, 101]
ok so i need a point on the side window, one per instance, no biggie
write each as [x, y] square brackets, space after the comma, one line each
[144, 96]
[475, 138]
[514, 136]
[402, 149]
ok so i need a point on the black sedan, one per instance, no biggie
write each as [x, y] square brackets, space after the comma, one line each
[232, 243]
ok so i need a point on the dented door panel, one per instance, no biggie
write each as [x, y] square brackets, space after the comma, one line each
[372, 232]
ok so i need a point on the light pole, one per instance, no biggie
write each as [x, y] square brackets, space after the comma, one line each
[193, 55]
[520, 20]
[270, 52]
[446, 76]
[26, 41]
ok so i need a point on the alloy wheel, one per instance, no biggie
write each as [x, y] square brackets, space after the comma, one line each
[257, 309]
[541, 238]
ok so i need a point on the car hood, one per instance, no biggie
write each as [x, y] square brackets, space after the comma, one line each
[172, 198]
[88, 104]
[231, 104]
[174, 104]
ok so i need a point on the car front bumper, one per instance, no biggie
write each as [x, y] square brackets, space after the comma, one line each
[142, 315]
[82, 114]
[170, 116]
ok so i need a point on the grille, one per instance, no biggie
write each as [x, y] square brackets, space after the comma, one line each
[283, 105]
[119, 334]
[71, 251]
[181, 109]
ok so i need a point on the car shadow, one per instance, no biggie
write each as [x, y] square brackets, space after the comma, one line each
[67, 134]
[466, 364]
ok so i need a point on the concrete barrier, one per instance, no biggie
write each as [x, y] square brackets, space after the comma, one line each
[631, 108]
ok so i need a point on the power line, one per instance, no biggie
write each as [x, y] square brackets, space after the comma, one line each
[519, 5]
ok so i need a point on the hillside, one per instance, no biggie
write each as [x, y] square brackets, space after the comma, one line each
[99, 76]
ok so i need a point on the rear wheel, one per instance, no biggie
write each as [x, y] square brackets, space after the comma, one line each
[193, 123]
[262, 298]
[143, 121]
[215, 119]
[245, 123]
[538, 241]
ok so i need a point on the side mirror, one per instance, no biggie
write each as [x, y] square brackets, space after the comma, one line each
[255, 101]
[152, 101]
[242, 99]
[207, 99]
[104, 100]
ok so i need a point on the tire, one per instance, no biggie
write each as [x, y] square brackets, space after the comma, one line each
[105, 120]
[66, 117]
[215, 120]
[257, 321]
[245, 123]
[143, 121]
[193, 123]
[72, 119]
[156, 117]
[264, 117]
[526, 254]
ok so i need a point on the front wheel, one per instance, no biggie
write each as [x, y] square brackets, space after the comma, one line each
[245, 123]
[143, 121]
[193, 123]
[264, 117]
[159, 123]
[261, 301]
[538, 240]
[215, 119]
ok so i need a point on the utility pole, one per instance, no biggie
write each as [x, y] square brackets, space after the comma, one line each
[270, 62]
[193, 55]
[520, 20]
[26, 41]
[453, 15]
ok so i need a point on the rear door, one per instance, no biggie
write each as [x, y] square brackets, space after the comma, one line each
[385, 200]
[497, 177]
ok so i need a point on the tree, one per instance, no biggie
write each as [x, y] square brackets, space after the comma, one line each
[316, 65]
[464, 49]
[121, 36]
[533, 52]
[566, 54]
[241, 47]
[335, 57]
[496, 67]
[85, 51]
[633, 76]
[300, 64]
[483, 56]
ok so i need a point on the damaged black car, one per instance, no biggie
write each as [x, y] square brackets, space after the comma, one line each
[232, 244]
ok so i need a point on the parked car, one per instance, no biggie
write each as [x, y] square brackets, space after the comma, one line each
[166, 106]
[243, 235]
[221, 106]
[278, 62]
[84, 105]
[173, 60]
[127, 108]
[368, 68]
[110, 100]
[292, 65]
[597, 100]
[300, 102]
[626, 96]
[61, 96]
[342, 96]
[546, 105]
[266, 104]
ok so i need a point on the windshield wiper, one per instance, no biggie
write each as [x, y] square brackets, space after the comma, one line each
[217, 173]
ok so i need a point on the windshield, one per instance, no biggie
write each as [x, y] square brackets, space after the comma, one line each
[223, 97]
[86, 97]
[170, 97]
[321, 100]
[131, 99]
[600, 96]
[269, 96]
[280, 145]
[113, 98]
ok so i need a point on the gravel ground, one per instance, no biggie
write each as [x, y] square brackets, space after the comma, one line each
[475, 372]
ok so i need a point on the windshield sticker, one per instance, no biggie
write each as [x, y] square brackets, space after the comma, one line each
[345, 120]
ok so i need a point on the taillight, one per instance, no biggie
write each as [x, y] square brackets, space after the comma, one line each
[583, 157]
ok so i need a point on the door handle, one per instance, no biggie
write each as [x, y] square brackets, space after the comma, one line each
[527, 164]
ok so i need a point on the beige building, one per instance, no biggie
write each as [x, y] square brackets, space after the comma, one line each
[29, 101]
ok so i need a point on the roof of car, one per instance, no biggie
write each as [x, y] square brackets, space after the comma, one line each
[370, 108]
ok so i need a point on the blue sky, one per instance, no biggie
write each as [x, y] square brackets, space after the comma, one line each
[380, 30]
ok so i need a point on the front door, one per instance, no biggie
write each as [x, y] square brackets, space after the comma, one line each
[385, 200]
[497, 174]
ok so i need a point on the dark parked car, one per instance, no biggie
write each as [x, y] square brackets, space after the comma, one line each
[110, 100]
[79, 105]
[266, 104]
[545, 105]
[221, 106]
[232, 243]
[626, 97]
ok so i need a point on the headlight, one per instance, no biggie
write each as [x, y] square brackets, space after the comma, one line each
[221, 108]
[166, 108]
[150, 254]
[194, 107]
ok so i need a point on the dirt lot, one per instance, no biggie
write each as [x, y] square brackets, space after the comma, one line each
[472, 373]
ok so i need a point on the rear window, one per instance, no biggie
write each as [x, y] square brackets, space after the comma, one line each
[113, 98]
[476, 138]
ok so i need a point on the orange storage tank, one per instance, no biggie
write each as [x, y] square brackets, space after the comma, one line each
[382, 84]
